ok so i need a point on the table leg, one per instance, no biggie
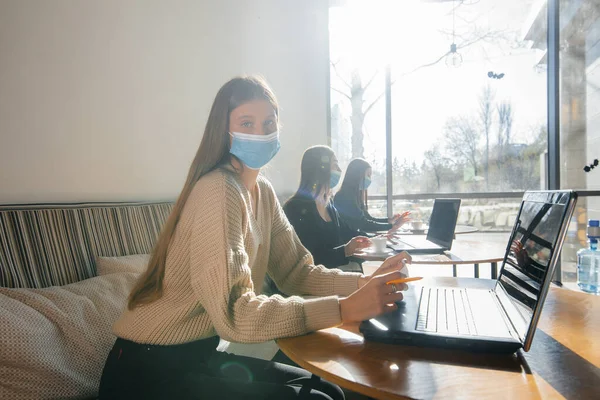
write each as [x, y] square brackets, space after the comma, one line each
[454, 270]
[476, 270]
[494, 270]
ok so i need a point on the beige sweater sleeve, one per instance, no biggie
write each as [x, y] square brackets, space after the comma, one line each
[221, 277]
[292, 266]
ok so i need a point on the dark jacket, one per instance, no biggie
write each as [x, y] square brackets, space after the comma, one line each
[325, 240]
[356, 217]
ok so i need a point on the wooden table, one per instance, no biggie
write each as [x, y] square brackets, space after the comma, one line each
[563, 362]
[473, 252]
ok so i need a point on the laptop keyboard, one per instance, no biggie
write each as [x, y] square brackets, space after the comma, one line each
[455, 310]
[445, 310]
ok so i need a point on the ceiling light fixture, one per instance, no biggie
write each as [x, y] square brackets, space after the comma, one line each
[453, 58]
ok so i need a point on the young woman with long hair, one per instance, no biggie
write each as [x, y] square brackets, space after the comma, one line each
[351, 201]
[205, 276]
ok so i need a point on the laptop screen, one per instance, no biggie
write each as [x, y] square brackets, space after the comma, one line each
[532, 251]
[443, 221]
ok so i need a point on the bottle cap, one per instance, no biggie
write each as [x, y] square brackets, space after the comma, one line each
[593, 229]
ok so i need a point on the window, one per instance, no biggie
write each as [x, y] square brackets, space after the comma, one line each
[357, 90]
[468, 88]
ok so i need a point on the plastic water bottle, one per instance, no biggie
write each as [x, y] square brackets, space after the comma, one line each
[588, 261]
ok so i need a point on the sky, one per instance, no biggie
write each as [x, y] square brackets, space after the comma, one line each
[410, 33]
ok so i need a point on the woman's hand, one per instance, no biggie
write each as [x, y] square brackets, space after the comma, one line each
[373, 299]
[400, 216]
[394, 263]
[398, 220]
[357, 243]
[391, 264]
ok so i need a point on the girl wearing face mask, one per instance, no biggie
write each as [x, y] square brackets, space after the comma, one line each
[315, 220]
[351, 201]
[226, 232]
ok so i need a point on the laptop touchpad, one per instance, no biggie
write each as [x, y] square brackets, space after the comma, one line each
[404, 318]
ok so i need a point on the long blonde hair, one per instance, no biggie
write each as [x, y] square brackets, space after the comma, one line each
[212, 153]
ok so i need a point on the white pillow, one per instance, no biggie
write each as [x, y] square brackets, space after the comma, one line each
[55, 340]
[109, 265]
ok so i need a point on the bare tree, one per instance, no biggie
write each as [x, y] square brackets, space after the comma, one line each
[505, 121]
[354, 91]
[438, 163]
[520, 168]
[462, 140]
[486, 114]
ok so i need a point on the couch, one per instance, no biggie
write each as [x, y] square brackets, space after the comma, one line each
[65, 273]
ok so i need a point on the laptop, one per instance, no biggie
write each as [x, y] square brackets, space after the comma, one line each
[502, 319]
[440, 234]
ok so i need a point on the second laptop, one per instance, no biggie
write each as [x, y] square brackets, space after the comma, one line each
[440, 234]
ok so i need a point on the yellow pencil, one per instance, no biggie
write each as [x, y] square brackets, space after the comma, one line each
[404, 280]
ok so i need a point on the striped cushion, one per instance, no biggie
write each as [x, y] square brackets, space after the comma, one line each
[47, 245]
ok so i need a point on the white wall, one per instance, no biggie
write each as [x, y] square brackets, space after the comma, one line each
[107, 100]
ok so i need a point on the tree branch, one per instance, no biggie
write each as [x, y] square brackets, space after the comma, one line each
[487, 35]
[334, 65]
[431, 64]
[370, 81]
[462, 45]
[342, 93]
[375, 101]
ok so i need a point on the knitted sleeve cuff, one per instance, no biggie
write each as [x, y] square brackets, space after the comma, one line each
[345, 283]
[321, 313]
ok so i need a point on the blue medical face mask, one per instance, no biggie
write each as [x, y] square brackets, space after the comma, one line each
[364, 185]
[334, 178]
[255, 151]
